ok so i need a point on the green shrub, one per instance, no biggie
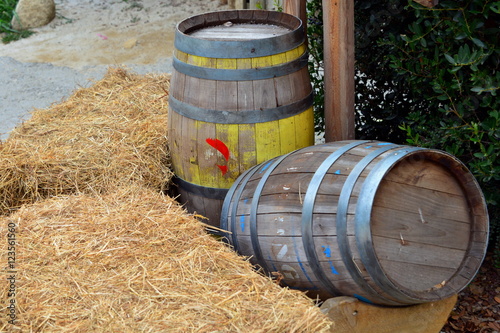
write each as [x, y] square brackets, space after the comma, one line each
[7, 12]
[383, 99]
[427, 77]
[450, 57]
[315, 48]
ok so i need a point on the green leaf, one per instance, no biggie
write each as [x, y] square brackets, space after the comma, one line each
[464, 53]
[479, 155]
[450, 59]
[405, 38]
[495, 7]
[478, 43]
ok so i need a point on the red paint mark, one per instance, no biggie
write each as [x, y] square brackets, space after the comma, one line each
[222, 148]
[223, 168]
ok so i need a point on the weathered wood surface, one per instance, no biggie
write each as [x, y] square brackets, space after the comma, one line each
[242, 31]
[338, 35]
[207, 208]
[349, 315]
[196, 161]
[220, 127]
[426, 234]
[297, 8]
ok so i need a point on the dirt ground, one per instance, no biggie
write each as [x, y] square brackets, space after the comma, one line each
[87, 36]
[103, 32]
[77, 47]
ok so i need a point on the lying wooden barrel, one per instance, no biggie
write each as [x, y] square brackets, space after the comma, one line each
[385, 223]
[240, 94]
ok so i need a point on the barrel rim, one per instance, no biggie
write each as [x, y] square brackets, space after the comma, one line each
[234, 191]
[307, 214]
[342, 230]
[239, 49]
[391, 157]
[479, 225]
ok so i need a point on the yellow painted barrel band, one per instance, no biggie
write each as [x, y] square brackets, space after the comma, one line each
[241, 63]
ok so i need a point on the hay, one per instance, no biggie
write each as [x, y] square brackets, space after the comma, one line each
[132, 260]
[100, 249]
[112, 132]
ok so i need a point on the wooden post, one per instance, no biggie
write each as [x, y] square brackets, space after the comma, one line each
[297, 8]
[338, 34]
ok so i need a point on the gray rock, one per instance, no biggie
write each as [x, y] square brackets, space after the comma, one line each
[33, 14]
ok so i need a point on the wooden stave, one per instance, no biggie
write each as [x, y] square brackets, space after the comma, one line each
[294, 52]
[396, 296]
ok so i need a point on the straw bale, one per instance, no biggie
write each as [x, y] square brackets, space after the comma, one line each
[112, 132]
[132, 260]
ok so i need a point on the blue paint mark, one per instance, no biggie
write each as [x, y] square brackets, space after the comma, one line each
[362, 299]
[327, 251]
[298, 259]
[384, 144]
[337, 172]
[245, 201]
[302, 267]
[332, 268]
[368, 147]
[242, 223]
[265, 167]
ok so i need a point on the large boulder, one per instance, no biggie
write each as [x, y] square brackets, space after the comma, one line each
[33, 14]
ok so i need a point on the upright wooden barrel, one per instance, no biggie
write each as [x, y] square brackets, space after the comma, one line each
[240, 94]
[388, 224]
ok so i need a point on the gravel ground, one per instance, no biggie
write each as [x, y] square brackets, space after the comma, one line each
[25, 86]
[85, 38]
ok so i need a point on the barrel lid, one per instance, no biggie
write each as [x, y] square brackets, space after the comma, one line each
[288, 34]
[240, 31]
[427, 229]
